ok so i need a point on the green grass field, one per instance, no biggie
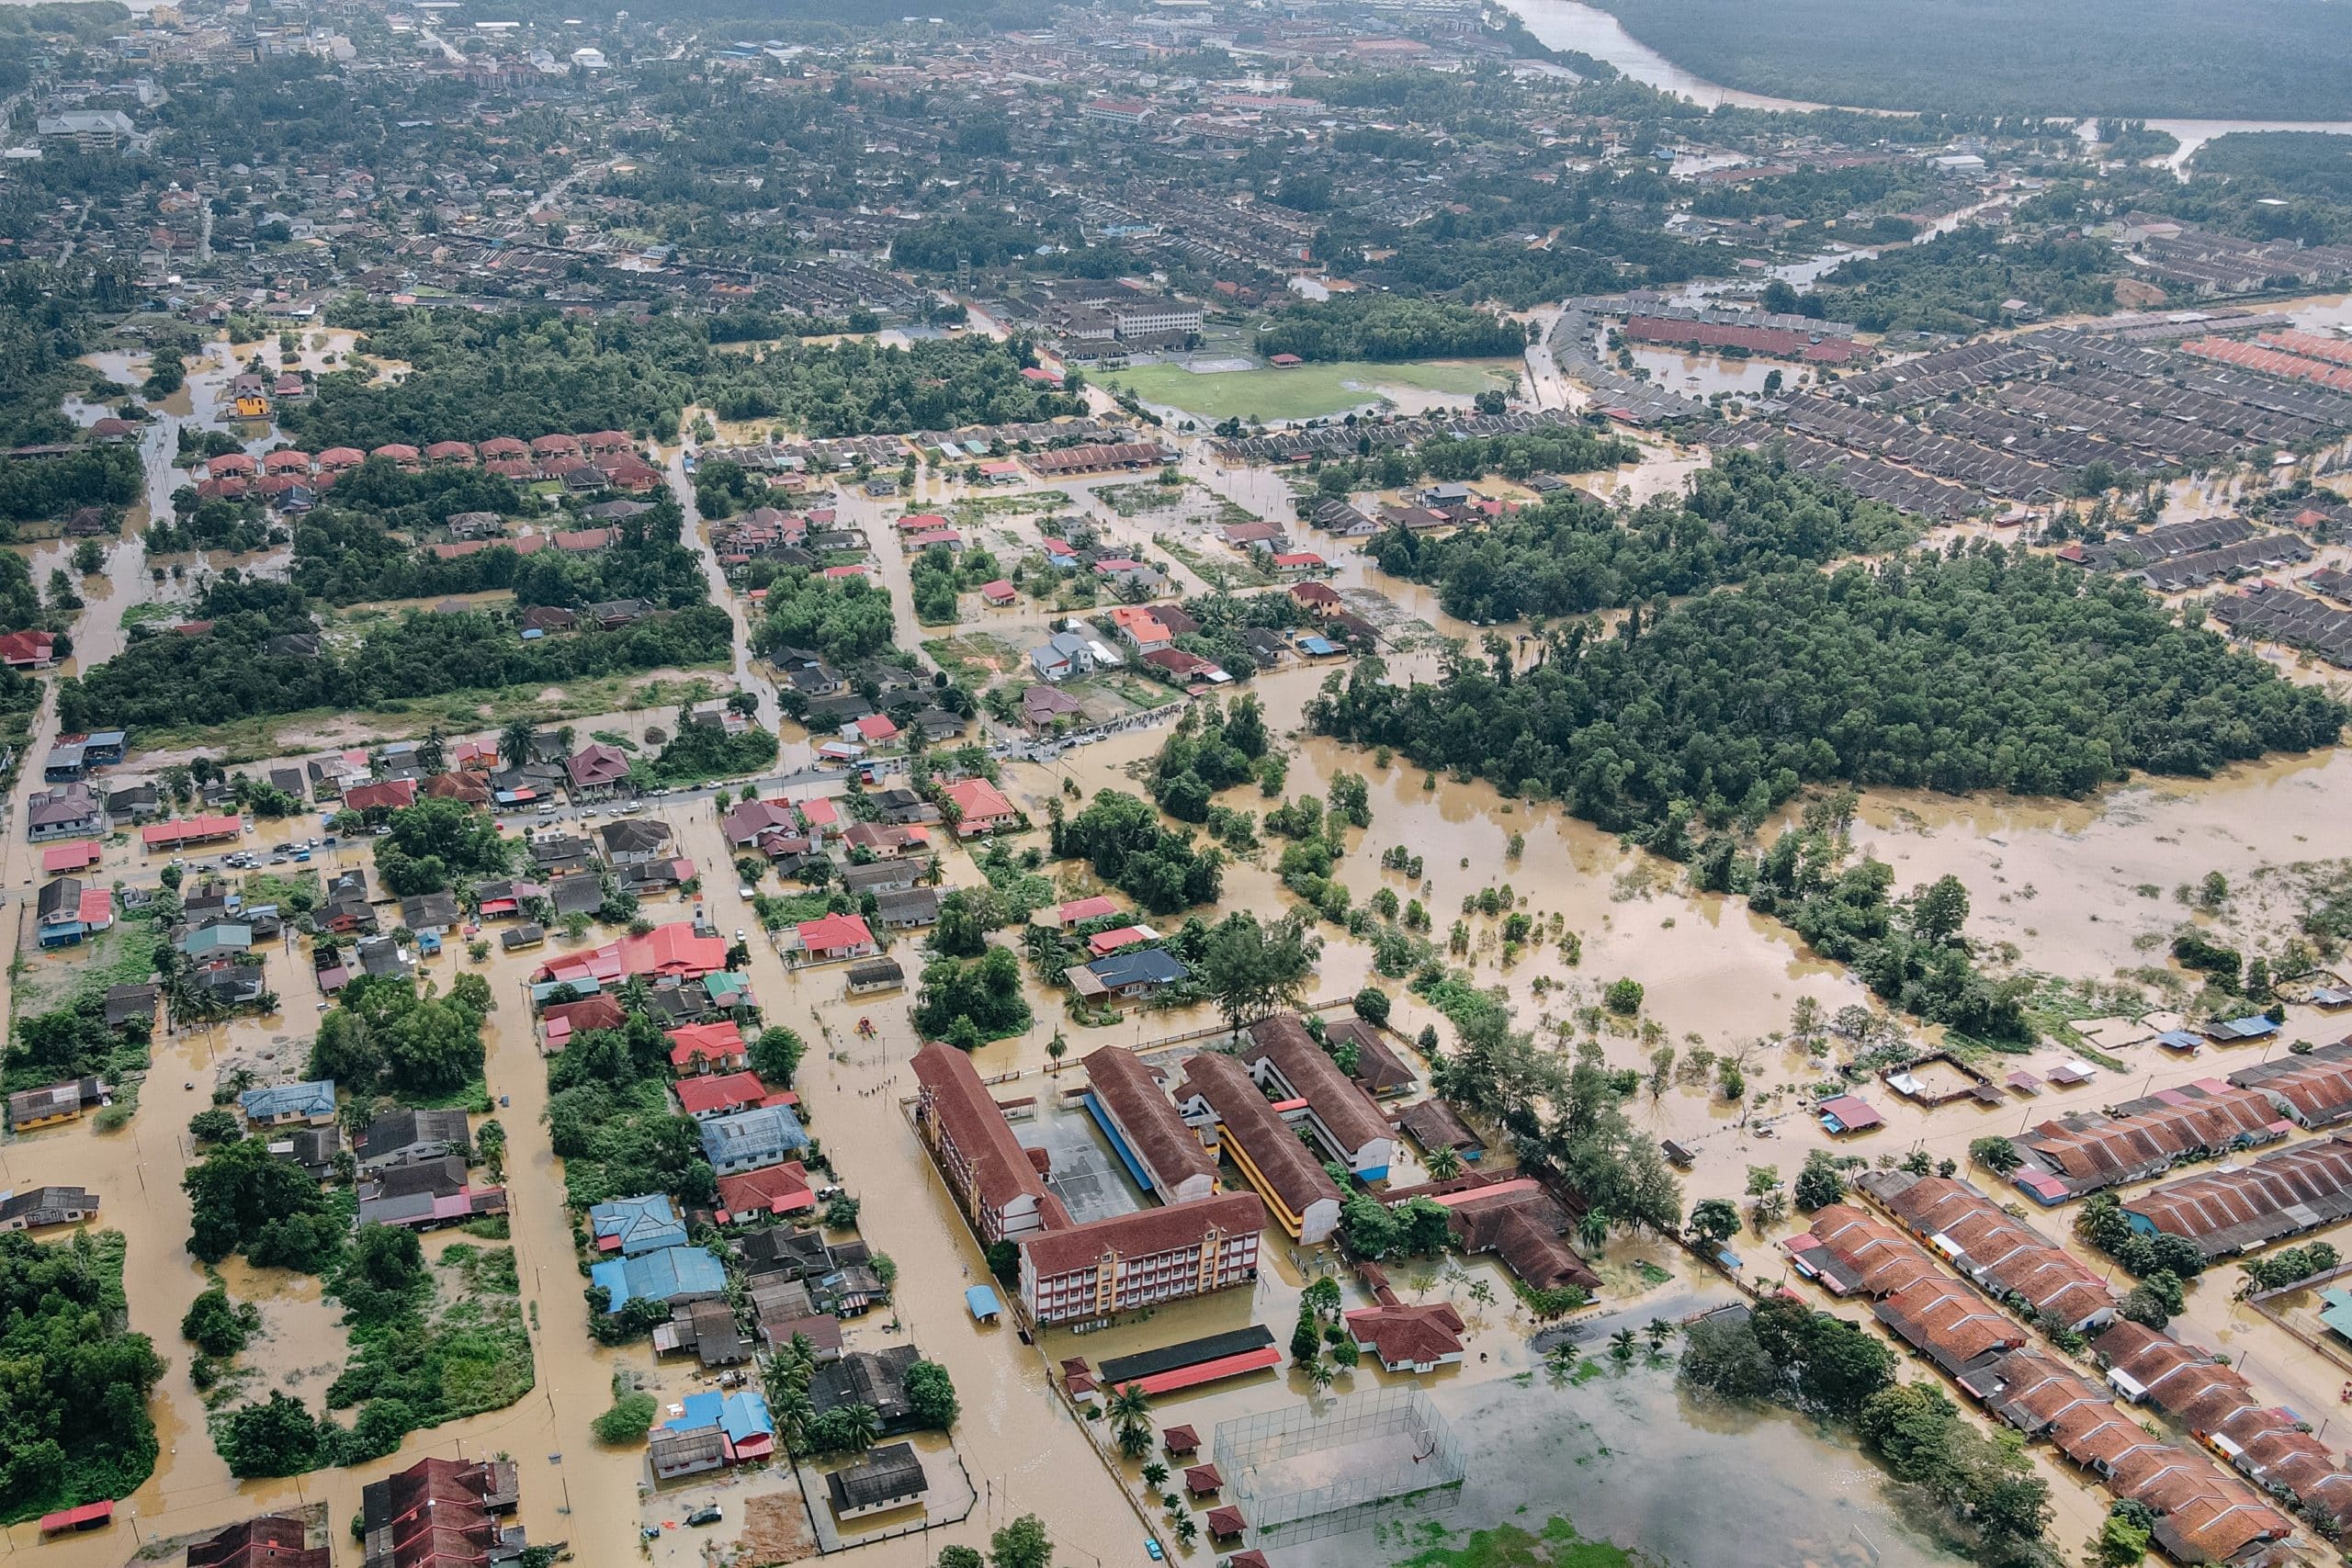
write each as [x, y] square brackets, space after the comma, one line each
[1302, 391]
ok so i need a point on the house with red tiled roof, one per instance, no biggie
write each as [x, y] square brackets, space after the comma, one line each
[980, 809]
[28, 649]
[1408, 1338]
[564, 1019]
[672, 950]
[699, 1048]
[596, 769]
[771, 1193]
[704, 1095]
[389, 795]
[2007, 1258]
[441, 1513]
[836, 937]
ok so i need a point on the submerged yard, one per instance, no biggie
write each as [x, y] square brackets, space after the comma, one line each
[1302, 391]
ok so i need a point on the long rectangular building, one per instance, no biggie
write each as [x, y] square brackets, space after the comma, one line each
[1129, 1262]
[1144, 1127]
[2314, 1089]
[2006, 1258]
[1071, 1272]
[2071, 1157]
[1283, 1055]
[2269, 1444]
[985, 1166]
[1218, 1094]
[2238, 1208]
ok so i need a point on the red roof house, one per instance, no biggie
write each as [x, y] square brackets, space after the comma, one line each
[716, 1094]
[391, 794]
[27, 650]
[714, 1046]
[980, 807]
[778, 1189]
[837, 936]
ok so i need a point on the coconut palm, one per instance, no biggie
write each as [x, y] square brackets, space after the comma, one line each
[854, 1427]
[1131, 1414]
[1155, 1476]
[1621, 1345]
[1659, 1331]
[1444, 1163]
[1592, 1231]
[1562, 1355]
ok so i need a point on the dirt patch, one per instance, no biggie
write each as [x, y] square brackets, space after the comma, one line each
[775, 1529]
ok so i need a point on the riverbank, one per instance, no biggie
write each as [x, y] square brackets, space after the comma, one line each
[1799, 61]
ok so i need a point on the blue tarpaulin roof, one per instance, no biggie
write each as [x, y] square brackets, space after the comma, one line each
[982, 1302]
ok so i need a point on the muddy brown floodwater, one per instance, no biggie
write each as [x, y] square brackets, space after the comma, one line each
[1622, 1453]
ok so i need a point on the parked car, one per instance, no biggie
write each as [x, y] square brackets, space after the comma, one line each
[705, 1515]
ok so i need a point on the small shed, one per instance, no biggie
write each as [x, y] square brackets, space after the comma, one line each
[1843, 1113]
[1203, 1481]
[1180, 1442]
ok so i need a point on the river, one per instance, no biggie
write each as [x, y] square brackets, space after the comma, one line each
[1588, 29]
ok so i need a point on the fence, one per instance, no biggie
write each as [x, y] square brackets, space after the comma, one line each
[1301, 1475]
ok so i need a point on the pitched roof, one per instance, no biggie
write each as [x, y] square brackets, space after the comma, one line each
[1148, 1118]
[701, 1094]
[1283, 1043]
[2004, 1254]
[977, 800]
[1143, 1231]
[1296, 1177]
[971, 1120]
[1401, 1335]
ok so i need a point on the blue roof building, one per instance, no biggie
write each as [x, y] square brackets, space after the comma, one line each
[743, 1416]
[631, 1225]
[313, 1101]
[229, 936]
[1139, 973]
[674, 1274]
[766, 1135]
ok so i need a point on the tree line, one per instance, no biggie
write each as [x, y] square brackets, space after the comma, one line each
[1389, 327]
[1747, 516]
[241, 669]
[1983, 669]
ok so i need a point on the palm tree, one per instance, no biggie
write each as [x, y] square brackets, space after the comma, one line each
[1155, 1476]
[1444, 1163]
[1131, 1414]
[1185, 1528]
[1659, 1331]
[1562, 1355]
[1592, 1232]
[1621, 1345]
[1058, 1046]
[859, 1426]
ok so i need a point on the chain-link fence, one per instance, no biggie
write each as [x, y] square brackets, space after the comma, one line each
[1300, 1473]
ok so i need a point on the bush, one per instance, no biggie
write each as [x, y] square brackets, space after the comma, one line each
[1623, 997]
[1371, 1005]
[628, 1421]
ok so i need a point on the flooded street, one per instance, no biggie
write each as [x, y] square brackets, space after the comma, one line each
[1620, 1450]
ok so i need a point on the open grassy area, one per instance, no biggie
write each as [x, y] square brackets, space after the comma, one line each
[1556, 1545]
[976, 656]
[287, 734]
[1220, 568]
[1302, 391]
